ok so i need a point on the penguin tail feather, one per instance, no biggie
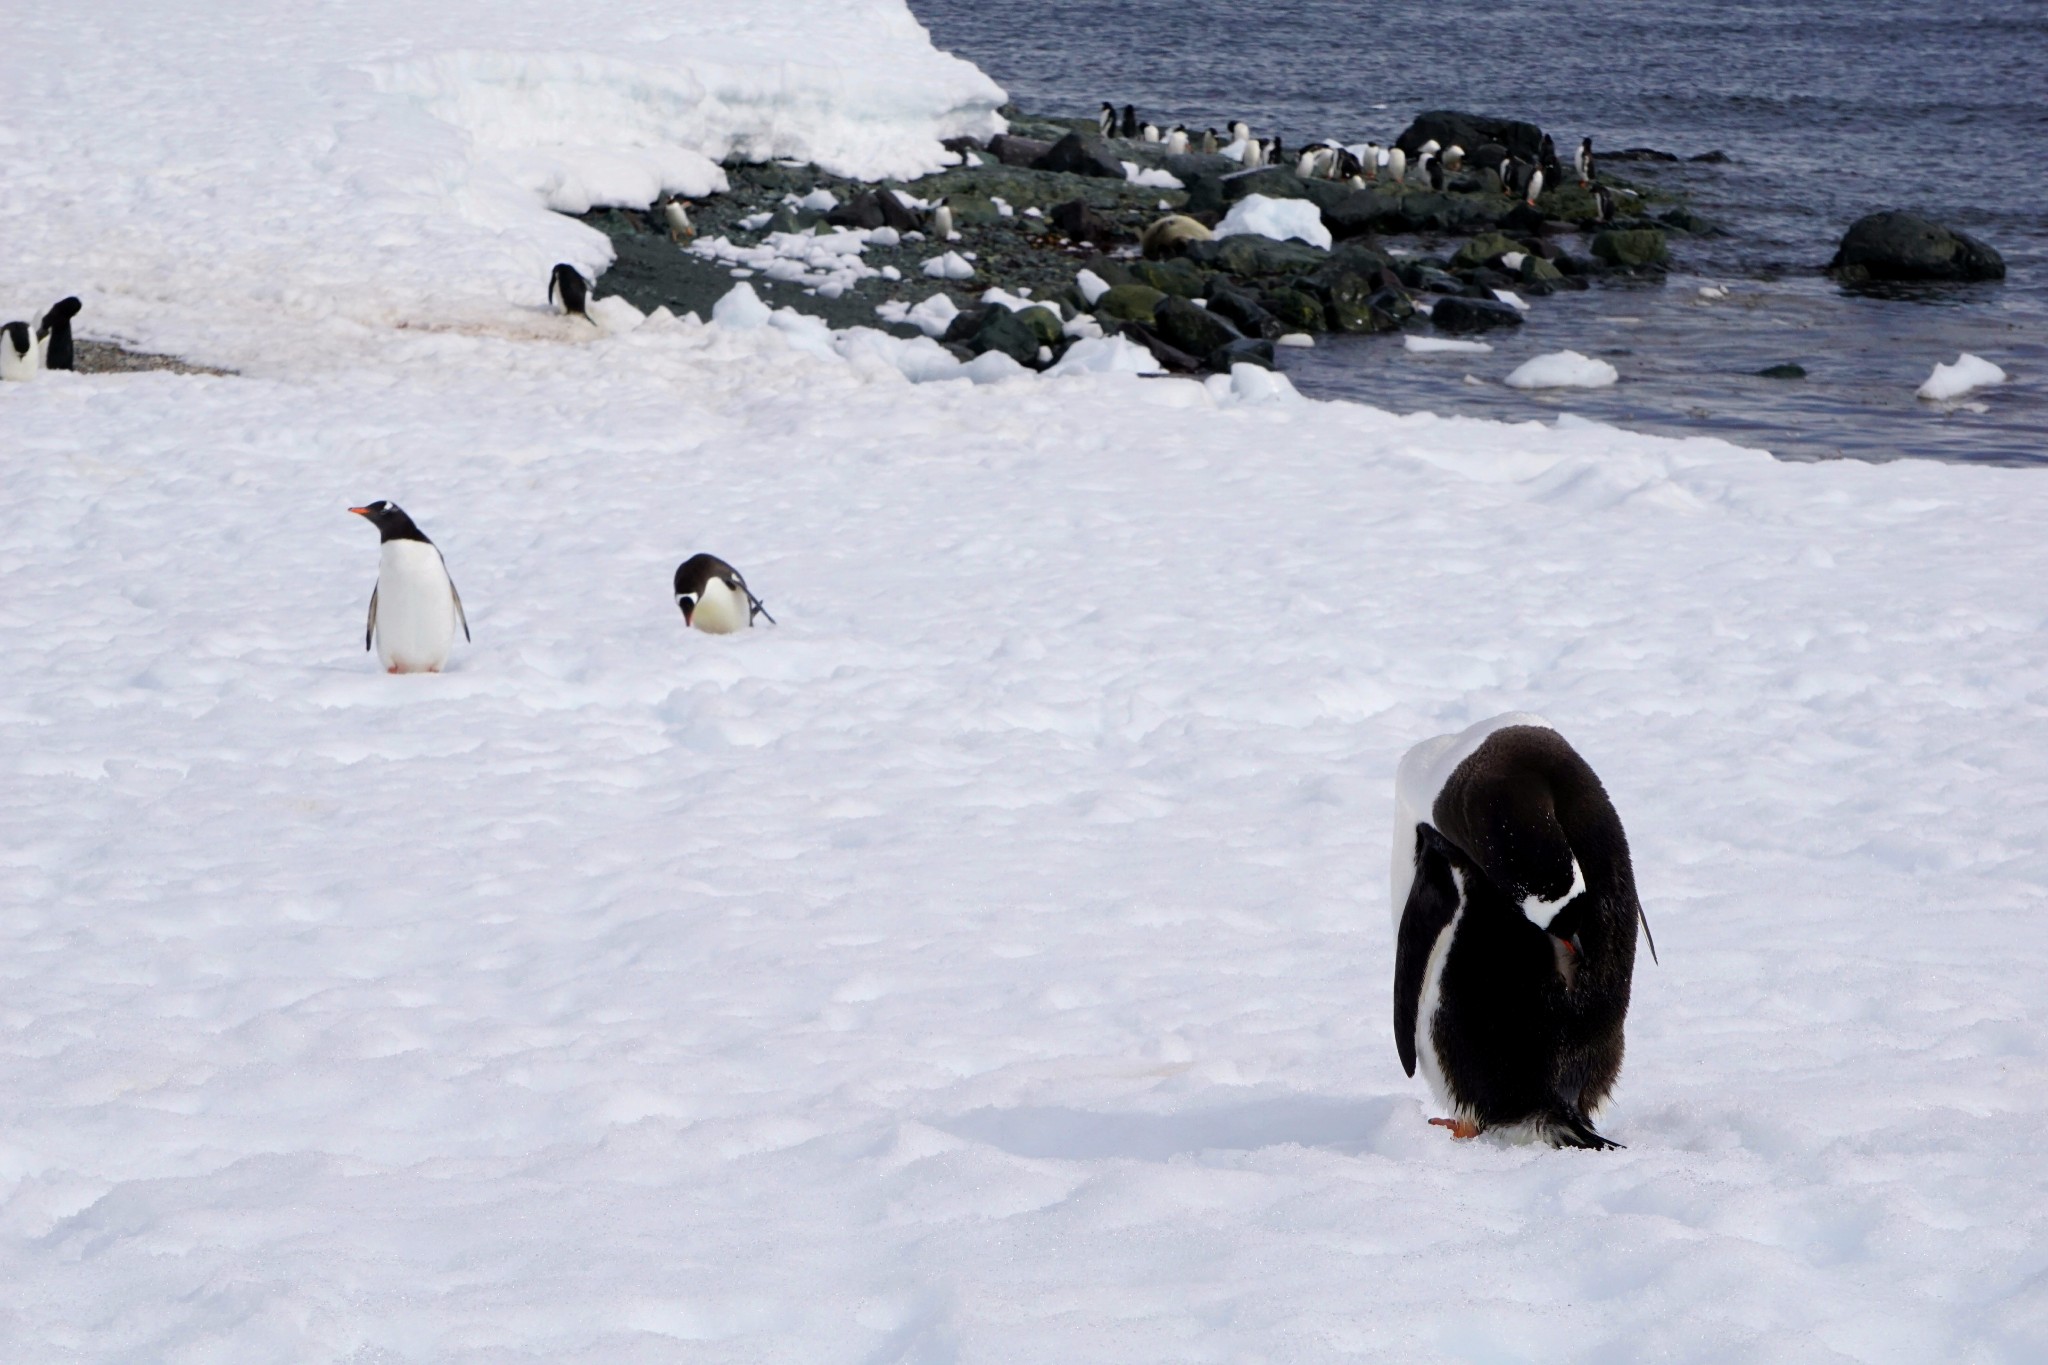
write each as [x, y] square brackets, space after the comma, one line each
[1567, 1128]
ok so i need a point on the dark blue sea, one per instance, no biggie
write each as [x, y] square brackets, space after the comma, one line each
[1828, 111]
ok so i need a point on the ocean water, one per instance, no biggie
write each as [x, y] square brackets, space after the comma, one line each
[1828, 112]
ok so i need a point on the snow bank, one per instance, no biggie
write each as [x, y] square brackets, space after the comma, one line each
[1279, 219]
[394, 164]
[1953, 381]
[1562, 370]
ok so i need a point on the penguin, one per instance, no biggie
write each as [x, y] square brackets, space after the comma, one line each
[1106, 120]
[1429, 148]
[1150, 132]
[1209, 142]
[940, 220]
[1309, 164]
[1374, 158]
[1177, 141]
[677, 215]
[1240, 131]
[1515, 920]
[1349, 167]
[1546, 158]
[20, 356]
[1251, 155]
[1535, 187]
[1604, 200]
[1435, 167]
[414, 608]
[1130, 123]
[573, 291]
[1272, 153]
[714, 598]
[54, 332]
[1583, 162]
[1397, 165]
[1454, 157]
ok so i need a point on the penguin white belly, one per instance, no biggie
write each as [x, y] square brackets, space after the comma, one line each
[15, 366]
[416, 615]
[1426, 1058]
[720, 610]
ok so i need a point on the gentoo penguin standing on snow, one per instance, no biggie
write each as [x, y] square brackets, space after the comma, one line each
[677, 215]
[54, 332]
[573, 291]
[1515, 919]
[414, 609]
[20, 355]
[714, 598]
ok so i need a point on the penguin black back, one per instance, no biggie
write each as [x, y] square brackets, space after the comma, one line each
[1130, 124]
[697, 572]
[1520, 860]
[56, 325]
[568, 285]
[391, 521]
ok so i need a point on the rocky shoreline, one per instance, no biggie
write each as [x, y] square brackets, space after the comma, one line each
[1051, 216]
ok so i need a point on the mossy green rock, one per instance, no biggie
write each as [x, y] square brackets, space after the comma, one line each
[1044, 323]
[1632, 247]
[1194, 330]
[1130, 302]
[1180, 277]
[1484, 250]
[1536, 270]
[1250, 255]
[1298, 309]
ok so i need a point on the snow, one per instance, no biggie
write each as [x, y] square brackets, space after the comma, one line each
[1153, 177]
[988, 962]
[1563, 370]
[951, 266]
[1091, 285]
[1953, 381]
[1423, 345]
[1279, 219]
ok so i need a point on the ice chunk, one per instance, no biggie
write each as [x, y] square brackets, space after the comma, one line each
[1280, 219]
[1953, 381]
[1563, 370]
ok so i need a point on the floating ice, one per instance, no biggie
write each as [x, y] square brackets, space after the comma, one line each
[1953, 381]
[1562, 370]
[1422, 345]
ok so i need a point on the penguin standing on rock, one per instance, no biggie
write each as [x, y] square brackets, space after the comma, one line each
[1603, 200]
[1177, 140]
[1515, 917]
[1130, 121]
[1583, 162]
[677, 215]
[54, 332]
[1106, 120]
[20, 356]
[568, 286]
[414, 609]
[714, 598]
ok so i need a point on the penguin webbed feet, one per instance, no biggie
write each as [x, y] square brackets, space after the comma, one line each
[1568, 1129]
[1462, 1130]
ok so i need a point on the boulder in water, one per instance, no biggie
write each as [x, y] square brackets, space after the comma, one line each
[1632, 247]
[1897, 245]
[1473, 315]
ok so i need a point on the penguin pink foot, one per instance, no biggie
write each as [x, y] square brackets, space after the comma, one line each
[1461, 1129]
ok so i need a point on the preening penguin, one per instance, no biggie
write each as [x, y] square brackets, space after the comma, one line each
[714, 598]
[54, 332]
[1515, 919]
[20, 355]
[568, 285]
[414, 609]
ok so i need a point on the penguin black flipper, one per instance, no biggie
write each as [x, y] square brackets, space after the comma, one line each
[370, 626]
[1432, 903]
[456, 593]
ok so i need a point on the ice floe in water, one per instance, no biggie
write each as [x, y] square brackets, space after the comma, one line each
[1562, 370]
[1969, 373]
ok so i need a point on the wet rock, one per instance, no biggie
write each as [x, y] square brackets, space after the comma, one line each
[1638, 154]
[1251, 256]
[1685, 220]
[1081, 223]
[1130, 302]
[1163, 351]
[1472, 131]
[1473, 315]
[1242, 308]
[1017, 151]
[1484, 250]
[863, 211]
[1194, 330]
[1243, 351]
[995, 328]
[1713, 158]
[1110, 271]
[1536, 270]
[1180, 277]
[1350, 304]
[1275, 182]
[1297, 309]
[1904, 246]
[1080, 154]
[1785, 371]
[1632, 247]
[1045, 323]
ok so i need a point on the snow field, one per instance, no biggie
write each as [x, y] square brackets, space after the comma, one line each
[989, 963]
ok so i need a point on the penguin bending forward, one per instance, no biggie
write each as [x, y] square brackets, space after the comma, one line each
[414, 608]
[568, 286]
[1515, 920]
[714, 598]
[54, 331]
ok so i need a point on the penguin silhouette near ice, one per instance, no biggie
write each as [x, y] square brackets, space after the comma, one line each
[414, 609]
[568, 287]
[1515, 915]
[714, 598]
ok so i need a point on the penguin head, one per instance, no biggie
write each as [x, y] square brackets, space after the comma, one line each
[18, 338]
[63, 310]
[390, 520]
